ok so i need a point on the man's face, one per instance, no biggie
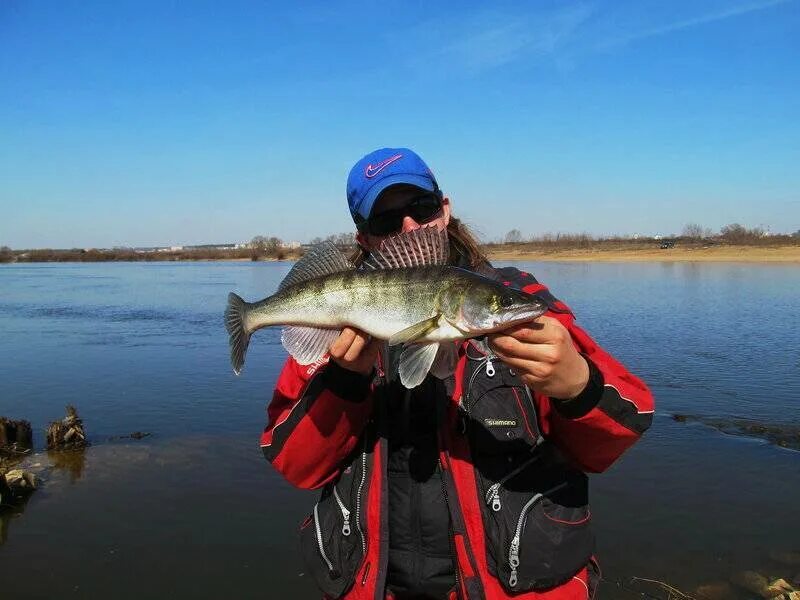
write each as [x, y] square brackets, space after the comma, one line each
[397, 197]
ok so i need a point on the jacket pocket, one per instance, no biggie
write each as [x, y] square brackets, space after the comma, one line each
[332, 539]
[537, 526]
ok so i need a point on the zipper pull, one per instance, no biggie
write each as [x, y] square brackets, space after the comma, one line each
[513, 560]
[489, 366]
[493, 497]
[345, 512]
[346, 526]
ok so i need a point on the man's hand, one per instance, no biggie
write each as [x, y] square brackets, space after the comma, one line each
[355, 351]
[544, 356]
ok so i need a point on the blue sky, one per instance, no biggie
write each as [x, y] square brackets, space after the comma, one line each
[144, 123]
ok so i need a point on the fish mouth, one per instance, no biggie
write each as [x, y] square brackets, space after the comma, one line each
[518, 317]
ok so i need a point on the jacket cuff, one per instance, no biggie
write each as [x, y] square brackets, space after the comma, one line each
[346, 384]
[584, 402]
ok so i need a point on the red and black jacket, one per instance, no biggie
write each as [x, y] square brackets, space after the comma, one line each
[513, 467]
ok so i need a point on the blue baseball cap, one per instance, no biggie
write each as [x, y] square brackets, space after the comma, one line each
[380, 169]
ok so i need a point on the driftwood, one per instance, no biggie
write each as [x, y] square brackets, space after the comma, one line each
[67, 433]
[673, 593]
[16, 437]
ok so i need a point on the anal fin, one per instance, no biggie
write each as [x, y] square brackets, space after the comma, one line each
[307, 344]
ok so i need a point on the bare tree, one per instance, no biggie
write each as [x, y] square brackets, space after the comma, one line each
[514, 236]
[6, 255]
[693, 231]
[258, 242]
[343, 240]
[738, 234]
[266, 246]
[733, 232]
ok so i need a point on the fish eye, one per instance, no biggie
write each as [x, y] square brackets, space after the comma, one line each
[506, 301]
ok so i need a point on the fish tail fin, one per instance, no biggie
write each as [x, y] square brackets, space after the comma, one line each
[239, 337]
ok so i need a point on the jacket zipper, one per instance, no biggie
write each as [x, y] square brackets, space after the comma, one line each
[492, 496]
[490, 372]
[450, 532]
[358, 502]
[345, 512]
[513, 550]
[319, 540]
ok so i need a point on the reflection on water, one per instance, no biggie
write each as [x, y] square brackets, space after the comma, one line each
[72, 462]
[11, 508]
[195, 507]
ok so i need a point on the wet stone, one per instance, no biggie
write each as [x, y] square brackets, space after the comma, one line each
[784, 435]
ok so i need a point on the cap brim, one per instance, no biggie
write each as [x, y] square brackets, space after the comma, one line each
[406, 178]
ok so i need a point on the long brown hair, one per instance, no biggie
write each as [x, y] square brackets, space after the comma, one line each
[464, 247]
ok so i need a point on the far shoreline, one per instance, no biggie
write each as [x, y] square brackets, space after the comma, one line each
[788, 254]
[741, 254]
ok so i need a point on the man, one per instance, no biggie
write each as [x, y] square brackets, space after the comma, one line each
[472, 487]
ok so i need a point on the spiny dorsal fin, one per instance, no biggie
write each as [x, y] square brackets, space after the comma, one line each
[322, 259]
[416, 248]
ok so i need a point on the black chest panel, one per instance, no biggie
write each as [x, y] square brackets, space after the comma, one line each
[420, 560]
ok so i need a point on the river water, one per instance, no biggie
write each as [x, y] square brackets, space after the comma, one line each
[194, 511]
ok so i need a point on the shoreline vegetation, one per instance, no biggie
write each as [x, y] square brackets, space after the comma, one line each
[644, 252]
[734, 243]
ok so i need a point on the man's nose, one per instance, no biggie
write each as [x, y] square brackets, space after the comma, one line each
[409, 224]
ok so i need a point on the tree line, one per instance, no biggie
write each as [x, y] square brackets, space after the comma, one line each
[272, 247]
[734, 233]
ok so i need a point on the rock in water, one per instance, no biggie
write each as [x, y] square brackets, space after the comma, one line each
[67, 433]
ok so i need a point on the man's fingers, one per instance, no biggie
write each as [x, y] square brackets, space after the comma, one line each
[543, 330]
[359, 341]
[341, 344]
[531, 372]
[506, 346]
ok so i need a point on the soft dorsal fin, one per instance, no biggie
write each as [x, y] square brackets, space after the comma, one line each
[322, 259]
[416, 248]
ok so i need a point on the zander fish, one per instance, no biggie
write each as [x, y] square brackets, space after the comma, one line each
[398, 295]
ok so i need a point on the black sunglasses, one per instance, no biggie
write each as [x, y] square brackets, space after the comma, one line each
[422, 209]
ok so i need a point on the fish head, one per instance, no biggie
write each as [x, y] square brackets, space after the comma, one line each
[490, 308]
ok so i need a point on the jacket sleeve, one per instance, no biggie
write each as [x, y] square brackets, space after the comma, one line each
[314, 421]
[611, 413]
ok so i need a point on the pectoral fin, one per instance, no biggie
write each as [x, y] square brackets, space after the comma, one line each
[415, 362]
[416, 332]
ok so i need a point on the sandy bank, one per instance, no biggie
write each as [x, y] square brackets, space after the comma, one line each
[777, 254]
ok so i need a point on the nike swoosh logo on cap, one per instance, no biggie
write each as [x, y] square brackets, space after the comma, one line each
[373, 170]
